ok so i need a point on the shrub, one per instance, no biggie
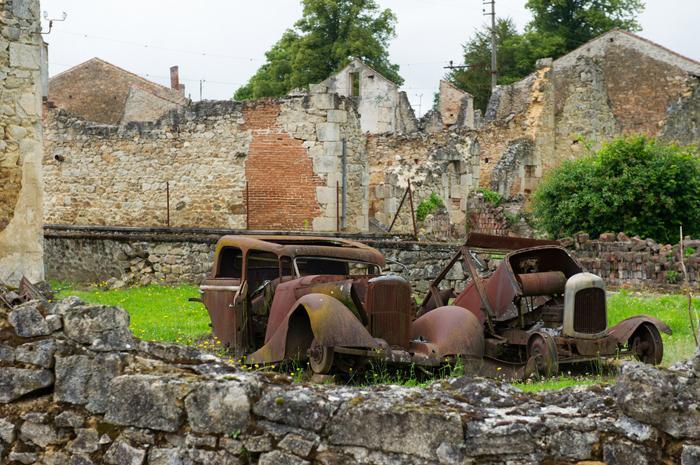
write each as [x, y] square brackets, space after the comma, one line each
[428, 206]
[635, 184]
[492, 197]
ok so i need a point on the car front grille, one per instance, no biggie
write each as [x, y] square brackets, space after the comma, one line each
[589, 311]
[389, 309]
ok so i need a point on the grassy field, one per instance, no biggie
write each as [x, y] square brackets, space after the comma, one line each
[163, 313]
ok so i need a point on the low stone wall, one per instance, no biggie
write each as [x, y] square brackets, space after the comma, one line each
[133, 256]
[76, 387]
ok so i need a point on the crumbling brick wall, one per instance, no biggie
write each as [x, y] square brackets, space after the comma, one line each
[21, 141]
[289, 152]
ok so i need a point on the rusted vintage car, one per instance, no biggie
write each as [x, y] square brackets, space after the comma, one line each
[274, 298]
[539, 309]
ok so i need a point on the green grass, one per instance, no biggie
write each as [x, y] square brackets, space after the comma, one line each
[158, 313]
[162, 313]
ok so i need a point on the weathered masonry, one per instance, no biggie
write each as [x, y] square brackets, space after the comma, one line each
[266, 164]
[21, 201]
[76, 387]
[342, 155]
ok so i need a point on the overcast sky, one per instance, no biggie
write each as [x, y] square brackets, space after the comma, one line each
[223, 42]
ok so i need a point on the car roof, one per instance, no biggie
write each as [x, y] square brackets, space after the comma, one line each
[307, 246]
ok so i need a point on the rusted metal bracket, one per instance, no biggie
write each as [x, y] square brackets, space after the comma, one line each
[408, 193]
[486, 305]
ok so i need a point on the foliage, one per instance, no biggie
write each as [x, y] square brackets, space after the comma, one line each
[672, 276]
[689, 252]
[557, 27]
[323, 41]
[635, 184]
[428, 206]
[492, 197]
[578, 21]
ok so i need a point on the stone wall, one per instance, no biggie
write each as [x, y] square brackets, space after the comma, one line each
[140, 256]
[21, 198]
[76, 387]
[288, 151]
[616, 84]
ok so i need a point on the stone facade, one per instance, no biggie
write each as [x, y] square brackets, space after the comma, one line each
[101, 92]
[21, 195]
[618, 83]
[289, 153]
[382, 107]
[84, 390]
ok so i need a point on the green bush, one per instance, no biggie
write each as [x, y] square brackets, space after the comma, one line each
[492, 197]
[428, 206]
[636, 184]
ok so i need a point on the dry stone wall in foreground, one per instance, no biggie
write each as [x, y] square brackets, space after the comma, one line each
[76, 387]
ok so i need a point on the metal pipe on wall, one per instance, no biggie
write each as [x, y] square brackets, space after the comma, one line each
[344, 188]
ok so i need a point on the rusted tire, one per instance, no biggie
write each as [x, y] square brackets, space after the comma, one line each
[320, 358]
[542, 357]
[646, 344]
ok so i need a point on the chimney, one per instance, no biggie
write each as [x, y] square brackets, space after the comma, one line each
[175, 80]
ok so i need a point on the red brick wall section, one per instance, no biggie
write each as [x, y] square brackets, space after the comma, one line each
[281, 181]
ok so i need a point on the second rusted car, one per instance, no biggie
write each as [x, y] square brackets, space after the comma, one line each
[273, 298]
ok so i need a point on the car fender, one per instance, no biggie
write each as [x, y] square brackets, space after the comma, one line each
[317, 316]
[452, 330]
[626, 328]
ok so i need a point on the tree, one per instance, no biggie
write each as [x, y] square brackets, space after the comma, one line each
[328, 35]
[516, 54]
[557, 27]
[578, 21]
[636, 185]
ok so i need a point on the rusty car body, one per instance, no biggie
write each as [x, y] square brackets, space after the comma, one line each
[273, 298]
[541, 310]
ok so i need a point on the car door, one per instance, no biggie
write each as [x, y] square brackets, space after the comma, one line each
[224, 294]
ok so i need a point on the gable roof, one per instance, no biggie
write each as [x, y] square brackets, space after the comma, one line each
[159, 90]
[599, 45]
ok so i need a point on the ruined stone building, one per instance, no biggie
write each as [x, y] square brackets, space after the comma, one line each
[21, 199]
[341, 155]
[101, 92]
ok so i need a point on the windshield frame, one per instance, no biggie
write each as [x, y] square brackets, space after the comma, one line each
[370, 265]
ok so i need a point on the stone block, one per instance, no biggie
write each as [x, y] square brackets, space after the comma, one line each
[280, 458]
[100, 327]
[333, 149]
[326, 194]
[41, 435]
[302, 407]
[337, 116]
[86, 441]
[7, 354]
[24, 56]
[37, 353]
[215, 407]
[7, 431]
[121, 453]
[28, 321]
[328, 132]
[325, 101]
[17, 382]
[324, 223]
[690, 455]
[84, 380]
[147, 401]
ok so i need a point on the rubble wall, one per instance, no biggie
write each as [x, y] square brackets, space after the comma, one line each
[76, 387]
[141, 257]
[289, 152]
[21, 208]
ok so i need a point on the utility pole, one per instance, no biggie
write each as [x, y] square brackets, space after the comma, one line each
[494, 62]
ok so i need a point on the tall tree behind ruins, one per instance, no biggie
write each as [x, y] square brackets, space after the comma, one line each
[556, 28]
[328, 35]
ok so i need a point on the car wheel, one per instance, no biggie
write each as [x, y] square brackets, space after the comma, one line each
[320, 358]
[542, 357]
[646, 344]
